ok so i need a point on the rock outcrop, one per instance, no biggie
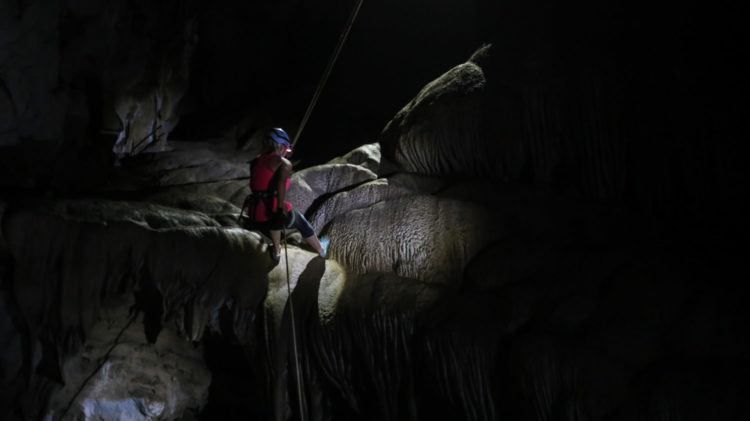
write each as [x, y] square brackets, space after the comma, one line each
[367, 194]
[312, 183]
[67, 258]
[76, 71]
[124, 371]
[439, 131]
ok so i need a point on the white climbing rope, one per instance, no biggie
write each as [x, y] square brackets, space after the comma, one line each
[310, 107]
[297, 367]
[327, 72]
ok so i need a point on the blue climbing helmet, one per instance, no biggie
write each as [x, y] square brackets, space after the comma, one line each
[281, 137]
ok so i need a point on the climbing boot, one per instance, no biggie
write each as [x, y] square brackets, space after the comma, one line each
[324, 242]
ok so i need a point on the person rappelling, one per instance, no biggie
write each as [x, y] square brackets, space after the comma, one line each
[267, 206]
[269, 182]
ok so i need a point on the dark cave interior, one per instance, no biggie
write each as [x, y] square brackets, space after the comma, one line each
[537, 211]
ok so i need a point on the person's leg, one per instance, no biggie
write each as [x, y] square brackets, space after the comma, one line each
[280, 223]
[308, 234]
[314, 242]
[276, 239]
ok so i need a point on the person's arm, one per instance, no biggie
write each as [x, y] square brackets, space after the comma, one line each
[285, 170]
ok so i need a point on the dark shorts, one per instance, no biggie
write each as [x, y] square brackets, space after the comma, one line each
[293, 219]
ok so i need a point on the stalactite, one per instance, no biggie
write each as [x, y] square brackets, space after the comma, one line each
[92, 251]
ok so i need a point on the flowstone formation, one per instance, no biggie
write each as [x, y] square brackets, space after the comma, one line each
[451, 292]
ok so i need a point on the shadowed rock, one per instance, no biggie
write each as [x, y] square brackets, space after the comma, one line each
[188, 163]
[119, 372]
[220, 210]
[70, 256]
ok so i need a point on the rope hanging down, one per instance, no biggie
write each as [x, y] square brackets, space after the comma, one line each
[313, 101]
[327, 72]
[297, 366]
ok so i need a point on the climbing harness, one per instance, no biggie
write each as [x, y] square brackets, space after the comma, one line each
[251, 202]
[327, 72]
[253, 199]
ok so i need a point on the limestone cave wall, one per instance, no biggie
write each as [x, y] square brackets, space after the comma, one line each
[548, 228]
